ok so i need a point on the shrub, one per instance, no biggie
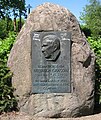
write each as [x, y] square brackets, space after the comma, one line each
[96, 46]
[3, 28]
[7, 100]
[6, 45]
[86, 30]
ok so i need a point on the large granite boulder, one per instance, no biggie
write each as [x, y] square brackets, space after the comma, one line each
[51, 17]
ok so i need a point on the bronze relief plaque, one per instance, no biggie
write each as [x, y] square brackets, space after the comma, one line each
[51, 62]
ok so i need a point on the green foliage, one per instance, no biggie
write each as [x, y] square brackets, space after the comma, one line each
[3, 31]
[86, 30]
[6, 7]
[7, 100]
[91, 17]
[6, 45]
[18, 24]
[3, 28]
[96, 46]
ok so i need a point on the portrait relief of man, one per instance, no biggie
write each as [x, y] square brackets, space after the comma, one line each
[51, 47]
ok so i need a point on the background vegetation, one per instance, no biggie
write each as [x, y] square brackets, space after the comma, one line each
[9, 28]
[91, 18]
[7, 100]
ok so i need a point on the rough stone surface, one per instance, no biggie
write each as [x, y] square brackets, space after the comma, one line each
[23, 116]
[80, 101]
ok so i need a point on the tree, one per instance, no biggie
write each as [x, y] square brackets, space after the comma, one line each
[18, 10]
[91, 17]
[3, 28]
[16, 7]
[8, 6]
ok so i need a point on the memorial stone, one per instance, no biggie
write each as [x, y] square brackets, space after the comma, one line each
[53, 65]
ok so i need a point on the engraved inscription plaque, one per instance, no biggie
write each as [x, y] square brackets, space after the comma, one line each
[51, 64]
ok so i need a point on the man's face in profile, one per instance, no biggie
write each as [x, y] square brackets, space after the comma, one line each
[50, 45]
[47, 48]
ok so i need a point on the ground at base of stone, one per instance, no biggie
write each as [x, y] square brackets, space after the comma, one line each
[24, 116]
